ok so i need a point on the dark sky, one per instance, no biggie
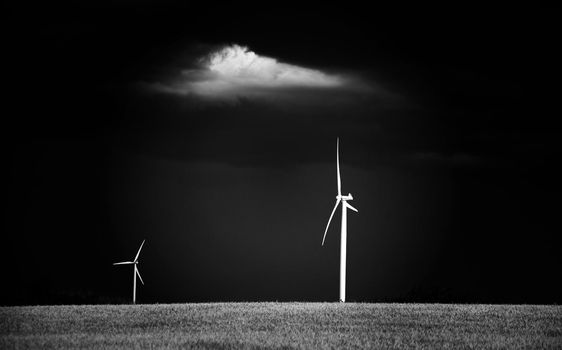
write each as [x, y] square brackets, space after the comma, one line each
[450, 145]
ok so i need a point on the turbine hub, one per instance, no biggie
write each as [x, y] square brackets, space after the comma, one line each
[349, 197]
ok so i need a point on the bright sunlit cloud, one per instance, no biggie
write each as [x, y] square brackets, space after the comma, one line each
[240, 66]
[234, 72]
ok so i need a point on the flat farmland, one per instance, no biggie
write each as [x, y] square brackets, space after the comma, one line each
[281, 325]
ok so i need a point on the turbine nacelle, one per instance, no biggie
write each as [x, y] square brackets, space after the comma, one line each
[349, 197]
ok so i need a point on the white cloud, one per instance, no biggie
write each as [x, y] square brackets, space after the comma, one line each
[236, 72]
[238, 65]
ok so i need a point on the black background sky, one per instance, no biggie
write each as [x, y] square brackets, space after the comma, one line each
[453, 161]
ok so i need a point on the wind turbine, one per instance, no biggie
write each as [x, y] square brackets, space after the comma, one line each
[345, 205]
[135, 272]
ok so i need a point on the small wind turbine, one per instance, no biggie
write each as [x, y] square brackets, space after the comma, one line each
[345, 205]
[135, 272]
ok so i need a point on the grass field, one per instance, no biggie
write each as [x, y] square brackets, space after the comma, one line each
[281, 325]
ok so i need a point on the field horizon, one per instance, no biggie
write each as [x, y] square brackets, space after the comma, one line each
[218, 302]
[227, 325]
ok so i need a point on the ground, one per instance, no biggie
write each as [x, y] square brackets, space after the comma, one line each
[282, 325]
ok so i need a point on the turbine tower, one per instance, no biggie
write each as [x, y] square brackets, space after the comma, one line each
[345, 205]
[135, 272]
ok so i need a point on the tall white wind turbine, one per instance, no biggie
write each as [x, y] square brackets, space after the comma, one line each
[135, 272]
[345, 205]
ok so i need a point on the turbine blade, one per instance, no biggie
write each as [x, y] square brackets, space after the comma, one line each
[138, 253]
[350, 207]
[338, 161]
[332, 215]
[123, 263]
[138, 274]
